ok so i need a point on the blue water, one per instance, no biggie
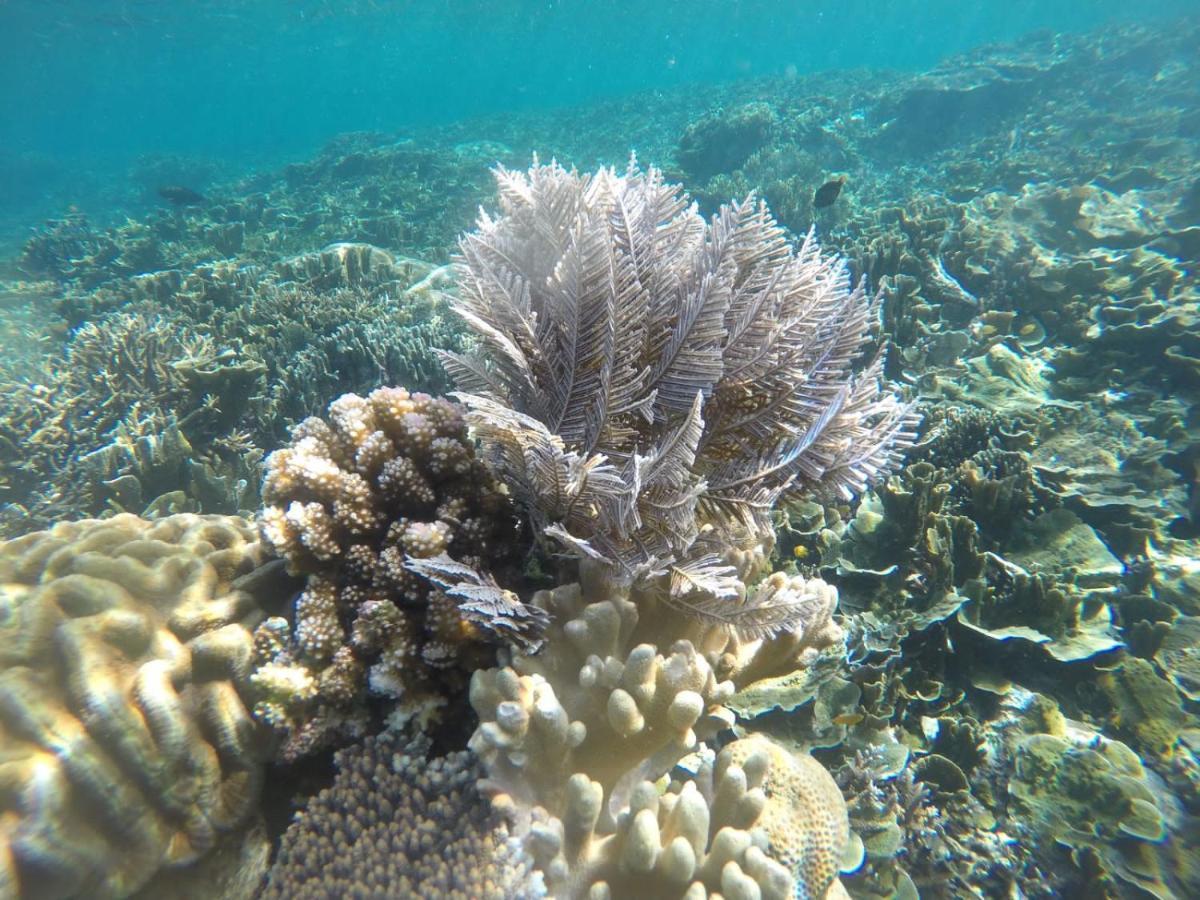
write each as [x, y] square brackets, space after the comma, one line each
[87, 86]
[217, 216]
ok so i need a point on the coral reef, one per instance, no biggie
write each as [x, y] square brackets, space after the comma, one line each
[1077, 790]
[127, 740]
[650, 387]
[151, 410]
[724, 140]
[110, 422]
[396, 823]
[390, 477]
[1030, 214]
[360, 188]
[925, 834]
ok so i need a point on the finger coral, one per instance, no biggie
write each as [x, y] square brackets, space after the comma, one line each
[575, 739]
[650, 384]
[389, 477]
[398, 824]
[127, 744]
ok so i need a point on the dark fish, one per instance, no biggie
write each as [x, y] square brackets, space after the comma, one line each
[180, 195]
[828, 192]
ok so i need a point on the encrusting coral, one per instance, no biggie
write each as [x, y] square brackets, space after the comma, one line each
[391, 476]
[126, 739]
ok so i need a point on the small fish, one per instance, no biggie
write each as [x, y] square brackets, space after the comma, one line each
[180, 195]
[828, 192]
[800, 551]
[848, 718]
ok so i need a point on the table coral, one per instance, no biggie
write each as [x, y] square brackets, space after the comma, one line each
[388, 477]
[128, 747]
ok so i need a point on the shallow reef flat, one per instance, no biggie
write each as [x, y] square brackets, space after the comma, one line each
[969, 669]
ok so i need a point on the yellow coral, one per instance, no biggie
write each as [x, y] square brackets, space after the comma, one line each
[804, 815]
[126, 744]
[575, 740]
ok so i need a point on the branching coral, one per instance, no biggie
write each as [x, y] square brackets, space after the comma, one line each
[110, 424]
[144, 403]
[126, 741]
[650, 384]
[398, 824]
[391, 476]
[574, 739]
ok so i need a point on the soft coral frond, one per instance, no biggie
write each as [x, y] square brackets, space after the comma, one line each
[641, 372]
[484, 603]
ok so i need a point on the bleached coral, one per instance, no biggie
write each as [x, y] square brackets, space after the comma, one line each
[388, 478]
[126, 738]
[649, 384]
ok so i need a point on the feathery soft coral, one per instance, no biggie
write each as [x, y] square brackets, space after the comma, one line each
[640, 373]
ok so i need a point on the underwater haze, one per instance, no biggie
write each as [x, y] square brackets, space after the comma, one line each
[86, 87]
[624, 451]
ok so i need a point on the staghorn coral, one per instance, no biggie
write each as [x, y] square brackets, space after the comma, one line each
[67, 249]
[390, 477]
[144, 402]
[112, 423]
[396, 823]
[649, 385]
[128, 746]
[574, 739]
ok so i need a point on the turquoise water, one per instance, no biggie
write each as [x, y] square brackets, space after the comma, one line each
[427, 471]
[237, 79]
[87, 87]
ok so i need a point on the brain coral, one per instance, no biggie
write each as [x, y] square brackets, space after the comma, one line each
[389, 476]
[395, 823]
[125, 742]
